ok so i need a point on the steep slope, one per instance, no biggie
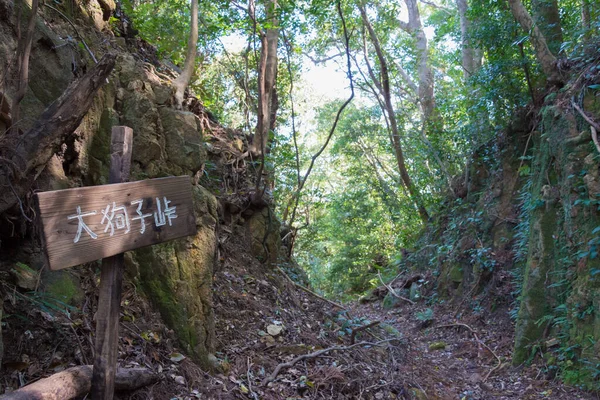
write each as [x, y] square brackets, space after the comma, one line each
[522, 236]
[213, 302]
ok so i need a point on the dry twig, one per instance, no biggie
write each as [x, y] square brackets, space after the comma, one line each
[307, 290]
[315, 354]
[593, 125]
[474, 333]
[392, 291]
[361, 328]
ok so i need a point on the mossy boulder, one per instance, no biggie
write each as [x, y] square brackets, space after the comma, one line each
[183, 137]
[139, 112]
[534, 304]
[390, 301]
[437, 346]
[263, 233]
[177, 277]
[99, 151]
[63, 286]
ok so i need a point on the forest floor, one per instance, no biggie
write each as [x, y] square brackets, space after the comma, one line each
[466, 358]
[265, 327]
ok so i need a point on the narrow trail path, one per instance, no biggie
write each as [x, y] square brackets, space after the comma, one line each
[453, 358]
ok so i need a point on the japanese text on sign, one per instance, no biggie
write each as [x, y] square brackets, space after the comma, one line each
[116, 217]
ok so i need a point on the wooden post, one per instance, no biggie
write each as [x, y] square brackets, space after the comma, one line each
[111, 277]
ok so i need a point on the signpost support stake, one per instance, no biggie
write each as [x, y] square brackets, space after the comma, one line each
[111, 277]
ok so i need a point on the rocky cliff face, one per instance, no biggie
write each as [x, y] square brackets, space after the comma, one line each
[175, 276]
[523, 237]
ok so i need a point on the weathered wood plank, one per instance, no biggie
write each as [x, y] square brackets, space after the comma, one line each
[111, 281]
[69, 241]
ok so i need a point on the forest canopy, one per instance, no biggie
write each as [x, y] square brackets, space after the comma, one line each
[433, 81]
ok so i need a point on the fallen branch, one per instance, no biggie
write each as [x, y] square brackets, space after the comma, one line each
[392, 291]
[474, 333]
[593, 125]
[76, 382]
[307, 290]
[361, 328]
[315, 354]
[29, 153]
[585, 116]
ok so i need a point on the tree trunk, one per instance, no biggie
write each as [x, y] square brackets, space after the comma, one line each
[431, 120]
[470, 63]
[389, 109]
[267, 79]
[183, 80]
[415, 27]
[23, 52]
[543, 54]
[22, 158]
[76, 382]
[586, 17]
[547, 17]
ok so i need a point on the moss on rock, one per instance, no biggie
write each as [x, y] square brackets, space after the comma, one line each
[177, 277]
[263, 233]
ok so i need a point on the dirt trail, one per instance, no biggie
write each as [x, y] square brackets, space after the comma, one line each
[469, 358]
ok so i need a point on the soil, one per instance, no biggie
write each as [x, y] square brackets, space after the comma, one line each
[262, 320]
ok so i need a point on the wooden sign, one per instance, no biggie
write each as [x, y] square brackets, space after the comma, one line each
[89, 223]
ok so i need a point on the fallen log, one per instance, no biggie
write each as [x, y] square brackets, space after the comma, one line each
[23, 157]
[76, 382]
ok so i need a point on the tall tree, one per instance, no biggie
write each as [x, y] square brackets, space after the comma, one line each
[543, 54]
[183, 80]
[384, 88]
[471, 56]
[267, 79]
[547, 16]
[414, 27]
[430, 120]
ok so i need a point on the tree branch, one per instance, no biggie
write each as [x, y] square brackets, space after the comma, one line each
[392, 291]
[337, 117]
[318, 353]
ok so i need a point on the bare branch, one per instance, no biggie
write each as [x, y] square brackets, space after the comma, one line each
[318, 353]
[337, 117]
[437, 6]
[392, 291]
[323, 60]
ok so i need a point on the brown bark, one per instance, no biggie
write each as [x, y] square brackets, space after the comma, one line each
[76, 382]
[23, 158]
[547, 17]
[586, 16]
[183, 80]
[543, 54]
[267, 79]
[23, 50]
[391, 114]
